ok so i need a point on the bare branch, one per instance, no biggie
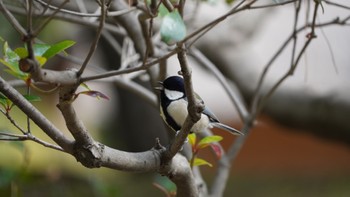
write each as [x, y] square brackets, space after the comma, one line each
[194, 108]
[294, 64]
[336, 4]
[36, 116]
[95, 42]
[70, 18]
[25, 137]
[273, 4]
[13, 21]
[41, 27]
[215, 22]
[113, 13]
[235, 96]
[12, 121]
[130, 70]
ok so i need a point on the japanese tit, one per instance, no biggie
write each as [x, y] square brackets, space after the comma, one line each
[173, 108]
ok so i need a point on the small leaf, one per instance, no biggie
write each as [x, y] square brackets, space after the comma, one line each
[9, 54]
[217, 150]
[41, 60]
[10, 59]
[11, 65]
[200, 162]
[208, 140]
[95, 94]
[5, 102]
[32, 98]
[192, 139]
[40, 49]
[173, 28]
[57, 48]
[19, 75]
[85, 86]
[21, 52]
[162, 10]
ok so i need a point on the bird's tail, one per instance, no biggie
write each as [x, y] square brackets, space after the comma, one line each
[227, 128]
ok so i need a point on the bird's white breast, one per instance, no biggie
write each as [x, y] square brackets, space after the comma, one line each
[173, 94]
[178, 111]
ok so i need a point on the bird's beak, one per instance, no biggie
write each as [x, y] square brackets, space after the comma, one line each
[160, 88]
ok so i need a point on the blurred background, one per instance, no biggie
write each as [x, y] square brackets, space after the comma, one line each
[288, 153]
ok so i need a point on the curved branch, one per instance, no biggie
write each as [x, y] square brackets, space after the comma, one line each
[38, 118]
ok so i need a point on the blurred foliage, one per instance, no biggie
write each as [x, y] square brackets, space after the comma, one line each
[90, 185]
[203, 143]
[273, 185]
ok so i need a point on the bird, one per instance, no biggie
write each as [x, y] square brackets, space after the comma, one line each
[173, 108]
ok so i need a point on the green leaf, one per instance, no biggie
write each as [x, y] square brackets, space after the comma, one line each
[5, 102]
[192, 139]
[40, 49]
[165, 183]
[208, 140]
[57, 48]
[201, 162]
[21, 52]
[41, 60]
[9, 54]
[18, 74]
[173, 28]
[163, 11]
[10, 65]
[10, 60]
[85, 86]
[32, 98]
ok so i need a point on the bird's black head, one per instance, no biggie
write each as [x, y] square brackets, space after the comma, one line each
[174, 83]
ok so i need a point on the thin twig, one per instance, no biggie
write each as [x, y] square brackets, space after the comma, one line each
[311, 36]
[337, 4]
[217, 21]
[73, 19]
[235, 96]
[70, 12]
[12, 20]
[41, 27]
[272, 5]
[98, 35]
[12, 121]
[28, 136]
[130, 70]
[330, 49]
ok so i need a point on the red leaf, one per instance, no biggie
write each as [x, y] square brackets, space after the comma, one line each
[95, 94]
[217, 150]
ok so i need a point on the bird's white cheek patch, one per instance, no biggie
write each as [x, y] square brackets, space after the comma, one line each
[173, 95]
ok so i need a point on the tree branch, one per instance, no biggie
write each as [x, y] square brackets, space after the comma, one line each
[13, 21]
[39, 119]
[97, 38]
